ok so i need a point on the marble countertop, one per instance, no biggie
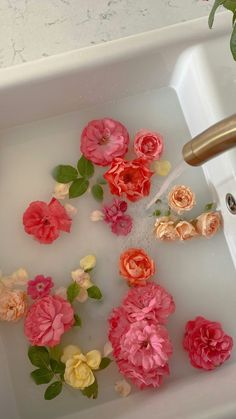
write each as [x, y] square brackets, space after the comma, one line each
[32, 29]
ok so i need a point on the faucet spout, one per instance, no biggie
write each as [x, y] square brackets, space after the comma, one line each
[215, 140]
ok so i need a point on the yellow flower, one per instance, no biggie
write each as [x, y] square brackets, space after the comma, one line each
[78, 371]
[88, 262]
[162, 168]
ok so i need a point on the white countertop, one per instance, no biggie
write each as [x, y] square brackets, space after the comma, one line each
[31, 29]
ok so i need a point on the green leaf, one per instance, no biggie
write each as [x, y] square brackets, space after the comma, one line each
[234, 17]
[233, 42]
[38, 356]
[85, 167]
[217, 4]
[91, 391]
[101, 180]
[230, 5]
[208, 207]
[156, 213]
[56, 352]
[78, 187]
[97, 192]
[64, 173]
[77, 320]
[53, 390]
[94, 292]
[167, 213]
[104, 363]
[72, 291]
[57, 366]
[42, 376]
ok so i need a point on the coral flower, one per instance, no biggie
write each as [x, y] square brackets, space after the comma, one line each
[136, 266]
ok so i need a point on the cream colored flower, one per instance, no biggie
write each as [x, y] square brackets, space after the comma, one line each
[93, 359]
[165, 229]
[71, 210]
[186, 230]
[123, 388]
[82, 278]
[88, 262]
[181, 198]
[208, 223]
[107, 350]
[83, 295]
[61, 190]
[13, 305]
[161, 167]
[17, 278]
[96, 215]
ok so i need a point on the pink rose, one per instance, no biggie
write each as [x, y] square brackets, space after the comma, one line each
[103, 140]
[47, 320]
[140, 378]
[186, 230]
[119, 325]
[208, 223]
[39, 287]
[148, 144]
[131, 178]
[122, 226]
[207, 344]
[115, 210]
[45, 221]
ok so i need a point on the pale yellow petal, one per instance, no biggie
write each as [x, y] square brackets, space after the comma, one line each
[162, 167]
[94, 359]
[69, 351]
[88, 262]
[107, 350]
[123, 388]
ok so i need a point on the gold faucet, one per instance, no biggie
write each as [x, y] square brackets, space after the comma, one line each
[215, 140]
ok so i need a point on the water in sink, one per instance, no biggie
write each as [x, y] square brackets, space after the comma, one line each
[199, 274]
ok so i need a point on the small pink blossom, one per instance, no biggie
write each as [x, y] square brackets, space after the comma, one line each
[114, 210]
[151, 302]
[39, 287]
[140, 378]
[119, 325]
[103, 140]
[207, 344]
[47, 320]
[148, 144]
[122, 226]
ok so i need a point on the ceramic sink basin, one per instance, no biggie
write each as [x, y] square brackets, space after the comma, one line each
[178, 80]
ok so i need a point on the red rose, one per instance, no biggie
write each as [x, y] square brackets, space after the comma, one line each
[131, 178]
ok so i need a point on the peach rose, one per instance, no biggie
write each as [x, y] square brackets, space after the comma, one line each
[208, 223]
[186, 230]
[181, 199]
[165, 229]
[13, 305]
[136, 266]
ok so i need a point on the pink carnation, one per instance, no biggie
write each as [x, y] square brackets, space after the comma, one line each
[148, 144]
[47, 320]
[103, 140]
[39, 287]
[151, 302]
[207, 344]
[141, 379]
[45, 221]
[115, 210]
[122, 226]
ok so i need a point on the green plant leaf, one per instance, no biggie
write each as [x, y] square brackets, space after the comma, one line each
[85, 167]
[64, 173]
[77, 320]
[217, 4]
[97, 192]
[38, 356]
[234, 17]
[156, 213]
[91, 391]
[209, 207]
[104, 363]
[167, 213]
[42, 376]
[72, 291]
[78, 187]
[233, 42]
[57, 366]
[53, 390]
[56, 352]
[230, 5]
[101, 180]
[94, 292]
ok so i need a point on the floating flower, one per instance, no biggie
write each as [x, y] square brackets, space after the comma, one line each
[40, 286]
[123, 388]
[107, 350]
[45, 221]
[82, 278]
[114, 211]
[47, 320]
[70, 210]
[13, 305]
[162, 167]
[186, 230]
[96, 215]
[165, 229]
[136, 266]
[17, 278]
[148, 144]
[88, 262]
[207, 344]
[208, 223]
[61, 190]
[181, 199]
[103, 140]
[78, 371]
[131, 178]
[151, 302]
[122, 226]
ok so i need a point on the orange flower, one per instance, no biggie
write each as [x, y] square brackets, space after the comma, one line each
[136, 266]
[165, 229]
[181, 199]
[13, 305]
[208, 223]
[186, 230]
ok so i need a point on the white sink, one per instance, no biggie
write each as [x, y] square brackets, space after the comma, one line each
[178, 80]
